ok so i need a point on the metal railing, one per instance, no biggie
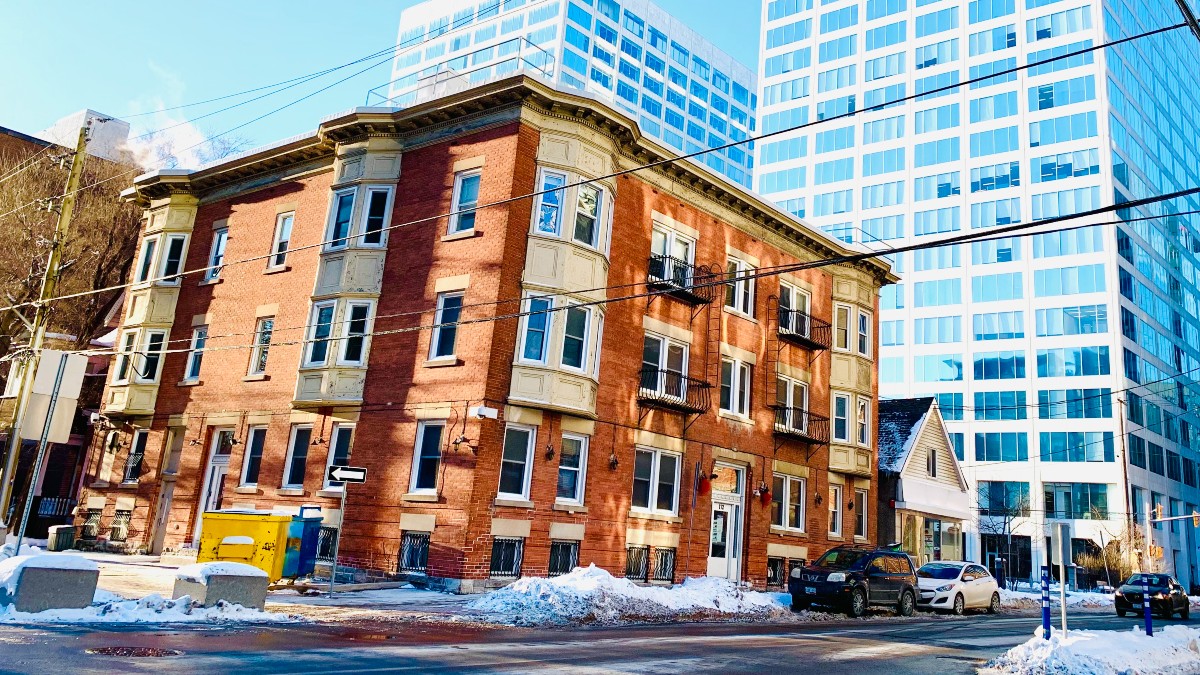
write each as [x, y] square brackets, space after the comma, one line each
[326, 538]
[507, 553]
[804, 329]
[680, 279]
[675, 391]
[637, 563]
[133, 468]
[120, 526]
[664, 565]
[54, 507]
[801, 423]
[91, 526]
[564, 555]
[414, 552]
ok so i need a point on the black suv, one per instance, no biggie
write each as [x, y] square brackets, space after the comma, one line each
[852, 578]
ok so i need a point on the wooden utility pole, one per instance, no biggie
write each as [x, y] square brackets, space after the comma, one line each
[50, 279]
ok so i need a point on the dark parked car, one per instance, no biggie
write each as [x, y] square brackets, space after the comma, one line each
[852, 578]
[1166, 596]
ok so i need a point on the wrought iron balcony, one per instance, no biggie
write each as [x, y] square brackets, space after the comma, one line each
[680, 279]
[803, 329]
[673, 391]
[802, 424]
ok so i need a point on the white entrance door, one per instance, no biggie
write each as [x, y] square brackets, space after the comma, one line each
[214, 478]
[725, 533]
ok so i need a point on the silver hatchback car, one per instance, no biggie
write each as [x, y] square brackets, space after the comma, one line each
[956, 586]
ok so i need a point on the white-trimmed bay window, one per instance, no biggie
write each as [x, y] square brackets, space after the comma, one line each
[356, 328]
[588, 210]
[375, 215]
[655, 481]
[341, 217]
[174, 251]
[841, 327]
[516, 462]
[735, 387]
[864, 333]
[547, 215]
[788, 495]
[145, 266]
[553, 207]
[840, 408]
[535, 330]
[863, 436]
[572, 469]
[151, 354]
[125, 356]
[465, 200]
[320, 330]
[576, 325]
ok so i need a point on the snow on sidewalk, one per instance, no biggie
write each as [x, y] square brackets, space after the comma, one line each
[592, 595]
[109, 608]
[1025, 600]
[1174, 650]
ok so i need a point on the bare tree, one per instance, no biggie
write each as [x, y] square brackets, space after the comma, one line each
[998, 517]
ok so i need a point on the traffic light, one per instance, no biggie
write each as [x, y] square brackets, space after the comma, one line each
[1158, 509]
[1195, 519]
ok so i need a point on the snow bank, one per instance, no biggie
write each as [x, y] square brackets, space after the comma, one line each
[200, 572]
[1024, 600]
[592, 595]
[10, 568]
[9, 550]
[1173, 650]
[150, 609]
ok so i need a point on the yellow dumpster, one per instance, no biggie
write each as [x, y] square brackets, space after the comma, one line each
[257, 538]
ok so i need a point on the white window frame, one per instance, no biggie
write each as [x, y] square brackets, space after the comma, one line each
[665, 343]
[527, 471]
[333, 243]
[862, 429]
[436, 333]
[741, 380]
[833, 418]
[672, 239]
[246, 455]
[655, 476]
[416, 463]
[456, 202]
[863, 333]
[598, 225]
[599, 349]
[743, 289]
[790, 402]
[580, 485]
[261, 350]
[144, 350]
[365, 216]
[837, 510]
[786, 502]
[278, 258]
[195, 359]
[861, 522]
[344, 335]
[524, 337]
[126, 348]
[541, 201]
[147, 256]
[287, 462]
[338, 427]
[931, 462]
[842, 332]
[166, 278]
[310, 339]
[216, 253]
[587, 339]
[792, 294]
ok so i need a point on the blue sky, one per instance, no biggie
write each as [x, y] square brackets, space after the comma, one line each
[141, 57]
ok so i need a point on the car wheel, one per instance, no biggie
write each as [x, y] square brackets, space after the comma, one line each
[1120, 612]
[858, 603]
[800, 606]
[907, 604]
[959, 605]
[1183, 613]
[994, 605]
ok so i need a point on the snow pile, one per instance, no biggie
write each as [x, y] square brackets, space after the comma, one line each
[150, 609]
[1173, 650]
[200, 572]
[1024, 600]
[592, 595]
[10, 568]
[9, 550]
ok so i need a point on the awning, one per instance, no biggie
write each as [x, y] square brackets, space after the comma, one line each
[932, 498]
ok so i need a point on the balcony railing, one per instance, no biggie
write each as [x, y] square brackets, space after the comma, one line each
[802, 424]
[680, 278]
[674, 391]
[805, 330]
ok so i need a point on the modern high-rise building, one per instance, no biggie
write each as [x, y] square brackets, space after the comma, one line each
[683, 91]
[1065, 363]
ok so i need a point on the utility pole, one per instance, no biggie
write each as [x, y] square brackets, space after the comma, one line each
[50, 278]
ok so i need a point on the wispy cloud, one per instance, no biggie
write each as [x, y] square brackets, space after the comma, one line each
[165, 138]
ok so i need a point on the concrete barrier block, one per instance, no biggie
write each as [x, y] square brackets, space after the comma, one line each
[40, 589]
[209, 583]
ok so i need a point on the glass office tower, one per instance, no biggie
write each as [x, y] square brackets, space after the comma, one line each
[683, 91]
[1056, 358]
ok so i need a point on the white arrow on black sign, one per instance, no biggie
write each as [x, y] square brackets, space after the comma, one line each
[348, 474]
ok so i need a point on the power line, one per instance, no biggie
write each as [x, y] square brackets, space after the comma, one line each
[616, 174]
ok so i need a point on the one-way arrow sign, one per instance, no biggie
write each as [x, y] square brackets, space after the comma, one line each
[347, 474]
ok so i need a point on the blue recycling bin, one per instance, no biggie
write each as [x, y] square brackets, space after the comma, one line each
[300, 558]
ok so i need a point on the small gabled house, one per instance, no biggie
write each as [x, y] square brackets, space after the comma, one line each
[923, 498]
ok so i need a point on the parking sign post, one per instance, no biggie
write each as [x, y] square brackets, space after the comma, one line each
[344, 475]
[1046, 602]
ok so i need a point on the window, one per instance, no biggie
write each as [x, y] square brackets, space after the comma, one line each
[788, 495]
[427, 457]
[256, 439]
[172, 261]
[564, 556]
[864, 333]
[375, 218]
[262, 345]
[794, 310]
[587, 215]
[339, 226]
[146, 264]
[835, 510]
[297, 459]
[507, 554]
[515, 462]
[735, 387]
[191, 372]
[664, 366]
[449, 310]
[655, 481]
[1003, 498]
[936, 22]
[354, 333]
[1060, 23]
[938, 368]
[864, 421]
[320, 328]
[1077, 446]
[282, 239]
[860, 513]
[1000, 405]
[1002, 447]
[339, 451]
[572, 468]
[841, 417]
[535, 332]
[575, 333]
[931, 463]
[137, 454]
[216, 256]
[125, 356]
[739, 292]
[841, 330]
[671, 256]
[151, 353]
[1077, 404]
[466, 199]
[791, 404]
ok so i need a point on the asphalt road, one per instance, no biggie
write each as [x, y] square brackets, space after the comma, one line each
[924, 645]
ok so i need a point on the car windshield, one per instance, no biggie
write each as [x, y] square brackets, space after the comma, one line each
[1153, 579]
[939, 571]
[842, 559]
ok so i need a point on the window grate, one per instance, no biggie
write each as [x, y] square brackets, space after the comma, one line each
[414, 552]
[664, 565]
[91, 526]
[637, 563]
[564, 556]
[133, 467]
[775, 571]
[506, 557]
[120, 526]
[326, 538]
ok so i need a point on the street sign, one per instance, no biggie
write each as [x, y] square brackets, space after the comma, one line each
[347, 474]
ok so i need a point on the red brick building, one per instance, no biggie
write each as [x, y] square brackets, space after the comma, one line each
[657, 436]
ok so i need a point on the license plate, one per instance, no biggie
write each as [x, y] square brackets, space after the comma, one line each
[810, 589]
